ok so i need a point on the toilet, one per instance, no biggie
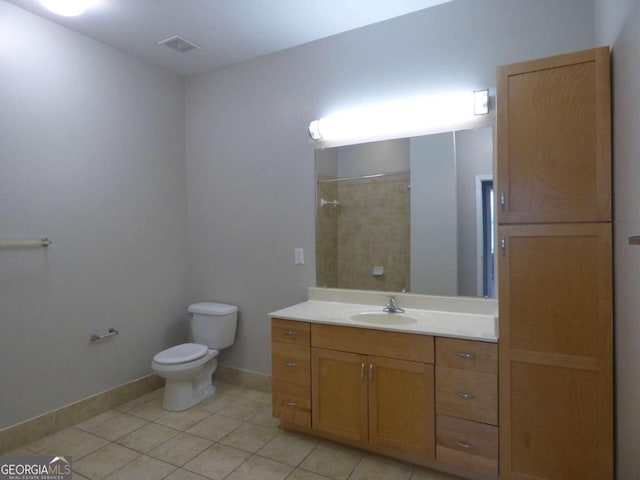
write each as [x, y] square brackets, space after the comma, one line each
[188, 368]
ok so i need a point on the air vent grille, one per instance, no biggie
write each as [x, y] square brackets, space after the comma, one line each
[179, 44]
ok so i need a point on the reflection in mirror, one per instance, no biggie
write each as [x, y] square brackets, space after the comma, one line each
[412, 214]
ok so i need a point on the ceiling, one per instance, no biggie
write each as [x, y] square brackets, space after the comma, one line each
[229, 31]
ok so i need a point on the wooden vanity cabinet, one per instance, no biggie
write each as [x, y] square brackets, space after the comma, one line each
[291, 371]
[374, 387]
[555, 268]
[467, 404]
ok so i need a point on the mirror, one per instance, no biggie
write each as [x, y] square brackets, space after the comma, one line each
[411, 214]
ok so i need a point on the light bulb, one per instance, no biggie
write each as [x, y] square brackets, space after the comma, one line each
[68, 8]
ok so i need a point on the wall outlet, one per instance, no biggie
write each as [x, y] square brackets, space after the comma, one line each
[299, 256]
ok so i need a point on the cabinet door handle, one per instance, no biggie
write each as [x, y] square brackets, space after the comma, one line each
[362, 372]
[290, 364]
[502, 201]
[290, 333]
[503, 246]
[291, 404]
[465, 355]
[465, 445]
[371, 372]
[465, 395]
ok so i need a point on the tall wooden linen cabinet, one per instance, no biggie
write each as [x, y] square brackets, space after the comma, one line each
[555, 268]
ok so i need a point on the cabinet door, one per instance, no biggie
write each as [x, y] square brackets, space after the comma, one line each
[401, 407]
[554, 139]
[555, 352]
[339, 393]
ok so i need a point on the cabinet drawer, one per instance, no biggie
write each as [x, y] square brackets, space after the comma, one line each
[290, 331]
[467, 354]
[471, 445]
[292, 403]
[291, 363]
[467, 394]
[403, 346]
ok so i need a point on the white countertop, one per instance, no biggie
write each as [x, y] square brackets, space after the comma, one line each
[465, 325]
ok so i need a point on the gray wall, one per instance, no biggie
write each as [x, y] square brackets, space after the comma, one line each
[619, 26]
[92, 155]
[250, 168]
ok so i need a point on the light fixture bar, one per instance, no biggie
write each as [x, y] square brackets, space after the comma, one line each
[411, 116]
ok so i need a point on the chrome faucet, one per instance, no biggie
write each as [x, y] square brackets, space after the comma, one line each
[392, 305]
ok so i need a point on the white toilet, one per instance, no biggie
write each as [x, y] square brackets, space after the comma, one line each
[188, 368]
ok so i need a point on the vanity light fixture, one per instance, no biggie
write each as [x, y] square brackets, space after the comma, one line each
[68, 8]
[481, 102]
[411, 116]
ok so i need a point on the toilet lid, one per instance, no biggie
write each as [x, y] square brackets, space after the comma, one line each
[187, 352]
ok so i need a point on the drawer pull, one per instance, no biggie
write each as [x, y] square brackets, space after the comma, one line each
[371, 372]
[464, 445]
[291, 404]
[290, 333]
[362, 372]
[290, 364]
[465, 395]
[466, 355]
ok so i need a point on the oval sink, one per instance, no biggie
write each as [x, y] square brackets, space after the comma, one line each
[383, 318]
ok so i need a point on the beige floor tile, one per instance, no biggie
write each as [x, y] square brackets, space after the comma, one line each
[151, 410]
[217, 461]
[180, 449]
[117, 426]
[79, 446]
[427, 474]
[299, 474]
[214, 427]
[259, 468]
[21, 452]
[332, 461]
[104, 461]
[182, 420]
[217, 402]
[229, 389]
[137, 402]
[249, 437]
[181, 474]
[289, 448]
[378, 468]
[148, 437]
[143, 467]
[77, 476]
[265, 418]
[44, 445]
[242, 409]
[257, 396]
[97, 420]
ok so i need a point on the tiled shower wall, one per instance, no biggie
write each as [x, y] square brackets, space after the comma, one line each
[369, 228]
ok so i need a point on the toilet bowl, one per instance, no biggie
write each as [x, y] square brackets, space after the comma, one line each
[188, 368]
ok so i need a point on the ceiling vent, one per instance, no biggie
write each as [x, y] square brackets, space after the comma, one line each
[179, 44]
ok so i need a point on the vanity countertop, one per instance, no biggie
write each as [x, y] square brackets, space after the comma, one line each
[464, 325]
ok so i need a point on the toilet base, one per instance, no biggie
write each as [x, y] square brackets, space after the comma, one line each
[181, 394]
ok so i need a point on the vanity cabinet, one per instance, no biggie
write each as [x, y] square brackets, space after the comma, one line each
[291, 367]
[374, 387]
[467, 404]
[554, 139]
[555, 268]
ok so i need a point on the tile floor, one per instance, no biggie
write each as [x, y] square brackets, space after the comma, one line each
[230, 436]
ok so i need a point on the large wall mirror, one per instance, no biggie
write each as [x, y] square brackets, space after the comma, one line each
[412, 214]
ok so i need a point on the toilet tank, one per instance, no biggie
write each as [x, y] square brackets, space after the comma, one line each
[213, 324]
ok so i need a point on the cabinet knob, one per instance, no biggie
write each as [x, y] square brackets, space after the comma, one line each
[465, 395]
[465, 355]
[465, 445]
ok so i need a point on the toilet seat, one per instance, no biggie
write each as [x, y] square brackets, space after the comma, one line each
[187, 352]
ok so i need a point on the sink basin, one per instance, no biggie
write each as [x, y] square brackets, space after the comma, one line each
[383, 318]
